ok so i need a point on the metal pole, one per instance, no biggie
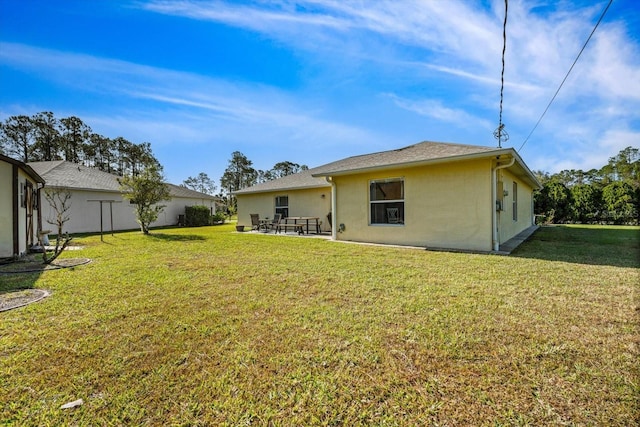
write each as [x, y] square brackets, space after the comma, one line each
[111, 215]
[111, 202]
[101, 238]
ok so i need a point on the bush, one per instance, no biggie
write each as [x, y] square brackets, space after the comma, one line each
[218, 218]
[196, 216]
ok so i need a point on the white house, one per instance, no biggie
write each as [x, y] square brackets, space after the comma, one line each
[96, 202]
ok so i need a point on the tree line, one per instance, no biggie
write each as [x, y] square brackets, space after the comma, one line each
[240, 174]
[43, 137]
[609, 195]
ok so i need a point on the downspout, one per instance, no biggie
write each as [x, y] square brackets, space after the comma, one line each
[494, 184]
[533, 212]
[334, 198]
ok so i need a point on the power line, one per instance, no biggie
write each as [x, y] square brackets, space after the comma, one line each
[567, 75]
[500, 133]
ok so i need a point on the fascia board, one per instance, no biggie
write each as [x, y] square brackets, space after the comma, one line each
[274, 190]
[486, 154]
[449, 159]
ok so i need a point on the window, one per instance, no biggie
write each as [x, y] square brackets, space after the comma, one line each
[386, 199]
[282, 206]
[515, 201]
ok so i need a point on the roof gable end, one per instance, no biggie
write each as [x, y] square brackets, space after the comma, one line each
[25, 167]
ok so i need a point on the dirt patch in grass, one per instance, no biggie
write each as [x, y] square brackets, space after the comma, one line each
[34, 264]
[21, 297]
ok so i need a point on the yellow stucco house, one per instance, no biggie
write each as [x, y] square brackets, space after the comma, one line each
[431, 194]
[20, 219]
[300, 194]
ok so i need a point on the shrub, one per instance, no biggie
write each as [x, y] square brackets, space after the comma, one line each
[196, 216]
[218, 218]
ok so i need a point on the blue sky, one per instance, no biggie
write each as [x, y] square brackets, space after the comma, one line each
[315, 81]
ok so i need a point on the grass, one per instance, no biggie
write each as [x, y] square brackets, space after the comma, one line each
[206, 326]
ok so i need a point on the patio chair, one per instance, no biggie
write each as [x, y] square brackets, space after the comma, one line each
[255, 221]
[275, 223]
[392, 215]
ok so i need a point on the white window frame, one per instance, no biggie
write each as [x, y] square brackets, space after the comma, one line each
[281, 207]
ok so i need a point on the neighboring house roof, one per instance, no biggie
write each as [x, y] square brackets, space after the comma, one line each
[60, 173]
[297, 181]
[179, 191]
[423, 153]
[28, 169]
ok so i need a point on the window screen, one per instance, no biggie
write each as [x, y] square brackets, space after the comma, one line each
[386, 199]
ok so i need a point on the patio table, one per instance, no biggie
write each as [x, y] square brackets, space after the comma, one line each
[306, 220]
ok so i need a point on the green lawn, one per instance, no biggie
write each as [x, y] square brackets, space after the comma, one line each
[206, 326]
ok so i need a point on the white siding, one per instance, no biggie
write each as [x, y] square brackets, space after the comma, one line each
[6, 209]
[85, 212]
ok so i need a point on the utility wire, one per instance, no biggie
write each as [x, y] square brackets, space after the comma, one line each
[499, 132]
[567, 75]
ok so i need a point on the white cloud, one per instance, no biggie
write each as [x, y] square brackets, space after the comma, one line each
[582, 146]
[173, 108]
[616, 140]
[261, 19]
[458, 38]
[252, 104]
[451, 28]
[614, 69]
[435, 110]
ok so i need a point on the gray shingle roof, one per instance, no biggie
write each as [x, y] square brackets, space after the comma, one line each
[413, 155]
[60, 173]
[179, 191]
[406, 156]
[296, 181]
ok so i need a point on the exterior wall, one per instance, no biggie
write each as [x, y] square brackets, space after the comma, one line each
[446, 206]
[85, 213]
[6, 209]
[7, 204]
[507, 227]
[306, 202]
[176, 206]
